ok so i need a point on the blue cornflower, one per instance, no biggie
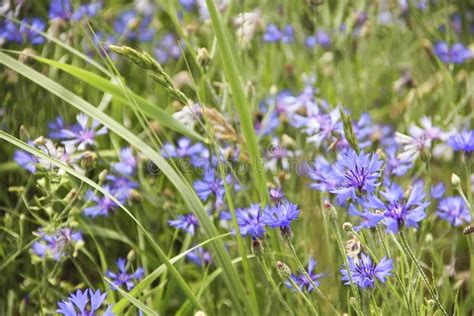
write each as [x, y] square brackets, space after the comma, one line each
[187, 222]
[30, 32]
[55, 246]
[132, 26]
[250, 220]
[87, 303]
[454, 210]
[200, 257]
[82, 134]
[10, 32]
[463, 141]
[355, 175]
[321, 38]
[183, 149]
[87, 11]
[302, 280]
[127, 163]
[272, 34]
[438, 190]
[364, 272]
[210, 185]
[276, 195]
[319, 173]
[55, 128]
[456, 54]
[288, 35]
[25, 160]
[167, 49]
[281, 215]
[188, 5]
[394, 210]
[394, 166]
[60, 9]
[104, 205]
[123, 277]
[121, 185]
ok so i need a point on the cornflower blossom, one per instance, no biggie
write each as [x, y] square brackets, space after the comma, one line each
[319, 173]
[454, 210]
[323, 127]
[87, 11]
[456, 54]
[103, 205]
[133, 26]
[127, 164]
[281, 215]
[273, 34]
[462, 141]
[199, 257]
[188, 5]
[438, 190]
[184, 149]
[301, 280]
[87, 303]
[355, 175]
[83, 134]
[121, 185]
[60, 9]
[27, 32]
[167, 49]
[122, 277]
[419, 140]
[365, 272]
[276, 195]
[321, 38]
[273, 107]
[210, 185]
[31, 163]
[188, 222]
[250, 220]
[57, 245]
[393, 165]
[394, 210]
[25, 160]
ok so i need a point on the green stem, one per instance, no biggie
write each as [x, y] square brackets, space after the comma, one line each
[274, 286]
[409, 252]
[305, 298]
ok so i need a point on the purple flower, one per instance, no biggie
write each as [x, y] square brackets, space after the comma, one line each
[104, 205]
[127, 163]
[302, 280]
[456, 54]
[355, 175]
[288, 34]
[25, 160]
[322, 38]
[272, 34]
[188, 5]
[87, 303]
[364, 272]
[319, 173]
[438, 190]
[281, 215]
[55, 246]
[394, 210]
[60, 9]
[132, 26]
[395, 166]
[187, 222]
[200, 257]
[120, 185]
[183, 149]
[87, 11]
[210, 185]
[454, 210]
[167, 49]
[122, 277]
[10, 32]
[56, 127]
[30, 32]
[463, 141]
[83, 134]
[276, 195]
[250, 221]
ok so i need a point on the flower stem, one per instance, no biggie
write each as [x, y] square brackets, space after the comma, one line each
[406, 248]
[305, 298]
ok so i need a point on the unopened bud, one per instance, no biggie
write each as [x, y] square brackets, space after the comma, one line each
[203, 57]
[330, 210]
[353, 301]
[347, 227]
[131, 255]
[102, 176]
[257, 247]
[455, 180]
[200, 313]
[88, 160]
[283, 270]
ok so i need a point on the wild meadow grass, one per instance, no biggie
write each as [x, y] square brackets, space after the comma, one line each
[213, 157]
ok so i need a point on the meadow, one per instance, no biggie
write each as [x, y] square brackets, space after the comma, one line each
[224, 157]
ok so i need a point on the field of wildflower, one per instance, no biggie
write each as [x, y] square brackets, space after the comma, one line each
[226, 157]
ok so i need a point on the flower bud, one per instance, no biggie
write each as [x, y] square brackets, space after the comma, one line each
[131, 256]
[283, 270]
[203, 57]
[257, 247]
[347, 227]
[455, 180]
[330, 210]
[286, 233]
[88, 160]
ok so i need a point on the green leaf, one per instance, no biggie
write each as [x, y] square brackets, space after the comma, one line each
[133, 300]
